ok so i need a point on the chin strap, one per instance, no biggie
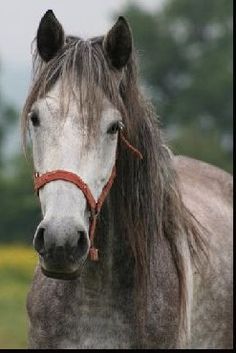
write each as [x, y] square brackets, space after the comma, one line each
[95, 206]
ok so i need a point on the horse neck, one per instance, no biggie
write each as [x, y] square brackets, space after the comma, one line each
[111, 278]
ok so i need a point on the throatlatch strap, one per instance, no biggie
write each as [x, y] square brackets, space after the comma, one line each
[132, 148]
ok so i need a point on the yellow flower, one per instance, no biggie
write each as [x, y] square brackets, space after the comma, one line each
[18, 256]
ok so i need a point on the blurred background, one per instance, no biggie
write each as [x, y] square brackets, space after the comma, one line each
[185, 56]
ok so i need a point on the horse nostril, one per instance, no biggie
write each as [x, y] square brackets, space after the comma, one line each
[39, 242]
[82, 244]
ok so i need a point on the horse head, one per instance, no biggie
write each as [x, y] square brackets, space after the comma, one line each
[74, 123]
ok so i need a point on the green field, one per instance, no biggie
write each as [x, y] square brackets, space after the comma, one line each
[17, 265]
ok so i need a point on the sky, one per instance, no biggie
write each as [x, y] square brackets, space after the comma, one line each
[19, 21]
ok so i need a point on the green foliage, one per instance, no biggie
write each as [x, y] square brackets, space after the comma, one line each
[19, 205]
[202, 145]
[8, 117]
[17, 265]
[19, 208]
[185, 52]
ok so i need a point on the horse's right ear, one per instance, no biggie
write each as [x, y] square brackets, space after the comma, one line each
[118, 44]
[50, 36]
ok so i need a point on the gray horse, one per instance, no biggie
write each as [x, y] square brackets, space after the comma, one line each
[162, 224]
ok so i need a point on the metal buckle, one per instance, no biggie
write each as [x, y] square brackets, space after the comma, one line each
[121, 125]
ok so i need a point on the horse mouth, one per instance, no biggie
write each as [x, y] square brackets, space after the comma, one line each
[62, 275]
[65, 271]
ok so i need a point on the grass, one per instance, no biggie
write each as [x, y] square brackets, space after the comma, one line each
[17, 265]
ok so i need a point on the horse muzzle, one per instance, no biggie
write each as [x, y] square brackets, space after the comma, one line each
[62, 249]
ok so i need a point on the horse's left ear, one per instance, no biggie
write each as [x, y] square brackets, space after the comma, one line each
[118, 43]
[50, 36]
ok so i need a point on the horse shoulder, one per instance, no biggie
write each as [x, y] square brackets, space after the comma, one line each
[207, 192]
[205, 175]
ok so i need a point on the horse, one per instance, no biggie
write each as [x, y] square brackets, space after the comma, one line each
[135, 245]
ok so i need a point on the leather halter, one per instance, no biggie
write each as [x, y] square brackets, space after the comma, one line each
[95, 206]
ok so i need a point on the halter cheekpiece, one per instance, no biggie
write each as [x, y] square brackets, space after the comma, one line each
[95, 206]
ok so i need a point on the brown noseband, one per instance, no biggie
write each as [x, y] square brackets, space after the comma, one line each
[95, 206]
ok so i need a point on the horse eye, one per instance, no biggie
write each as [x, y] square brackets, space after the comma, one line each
[34, 119]
[113, 129]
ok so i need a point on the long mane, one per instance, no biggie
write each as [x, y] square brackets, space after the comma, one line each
[146, 197]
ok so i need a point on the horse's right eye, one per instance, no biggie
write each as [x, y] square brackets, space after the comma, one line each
[34, 119]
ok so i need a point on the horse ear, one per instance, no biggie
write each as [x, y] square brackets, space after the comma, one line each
[50, 36]
[118, 44]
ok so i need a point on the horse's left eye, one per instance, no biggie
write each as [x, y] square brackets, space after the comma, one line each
[34, 118]
[115, 127]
